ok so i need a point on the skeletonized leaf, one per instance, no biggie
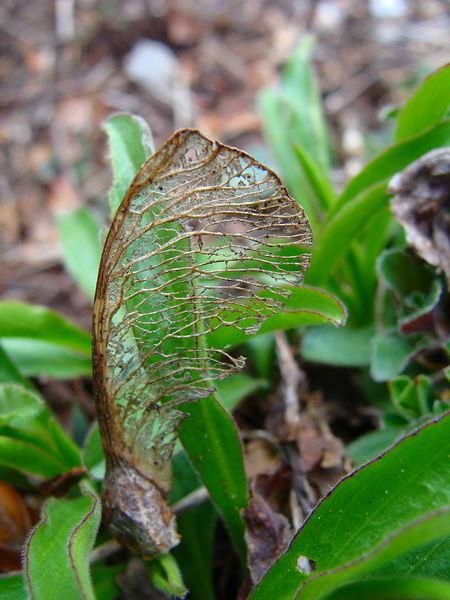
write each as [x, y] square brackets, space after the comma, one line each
[205, 237]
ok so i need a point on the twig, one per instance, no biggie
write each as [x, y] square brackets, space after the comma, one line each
[292, 378]
[193, 499]
[105, 550]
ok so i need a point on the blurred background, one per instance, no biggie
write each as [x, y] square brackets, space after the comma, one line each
[66, 65]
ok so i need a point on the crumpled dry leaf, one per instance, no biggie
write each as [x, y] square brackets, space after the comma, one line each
[422, 206]
[267, 533]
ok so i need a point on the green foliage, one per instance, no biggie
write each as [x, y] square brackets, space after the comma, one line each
[211, 440]
[426, 107]
[31, 440]
[297, 132]
[61, 543]
[130, 143]
[369, 517]
[384, 530]
[80, 240]
[39, 341]
[431, 528]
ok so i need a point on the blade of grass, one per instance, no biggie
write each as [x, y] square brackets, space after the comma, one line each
[427, 106]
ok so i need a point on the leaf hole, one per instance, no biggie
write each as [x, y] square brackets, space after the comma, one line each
[306, 565]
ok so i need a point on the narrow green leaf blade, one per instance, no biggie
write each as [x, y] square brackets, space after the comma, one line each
[18, 401]
[393, 588]
[28, 458]
[9, 373]
[12, 587]
[371, 503]
[31, 440]
[341, 230]
[210, 438]
[318, 180]
[130, 143]
[93, 455]
[343, 347]
[196, 527]
[427, 106]
[424, 530]
[27, 321]
[233, 389]
[301, 93]
[35, 358]
[80, 240]
[306, 305]
[277, 130]
[393, 160]
[57, 552]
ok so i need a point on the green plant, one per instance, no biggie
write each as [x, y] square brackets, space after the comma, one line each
[383, 531]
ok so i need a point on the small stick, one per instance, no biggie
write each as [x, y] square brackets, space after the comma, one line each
[193, 499]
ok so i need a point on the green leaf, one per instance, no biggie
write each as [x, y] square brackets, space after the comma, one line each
[35, 358]
[427, 106]
[104, 581]
[392, 161]
[429, 560]
[93, 455]
[196, 527]
[233, 389]
[393, 588]
[406, 482]
[293, 116]
[305, 306]
[341, 230]
[56, 555]
[9, 373]
[35, 444]
[28, 458]
[414, 283]
[211, 440]
[261, 350]
[342, 347]
[194, 554]
[27, 321]
[413, 398]
[130, 143]
[18, 401]
[372, 444]
[404, 273]
[80, 240]
[276, 120]
[319, 183]
[424, 530]
[391, 353]
[12, 587]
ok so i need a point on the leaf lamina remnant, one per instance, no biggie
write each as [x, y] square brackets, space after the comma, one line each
[205, 238]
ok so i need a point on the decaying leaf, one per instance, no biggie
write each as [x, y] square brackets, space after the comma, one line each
[268, 534]
[206, 237]
[422, 206]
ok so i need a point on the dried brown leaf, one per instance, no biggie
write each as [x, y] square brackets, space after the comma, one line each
[267, 533]
[422, 206]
